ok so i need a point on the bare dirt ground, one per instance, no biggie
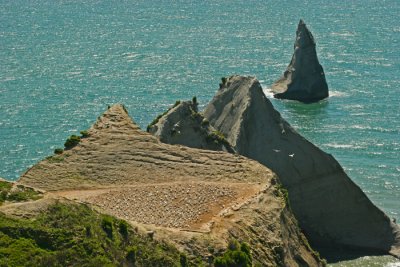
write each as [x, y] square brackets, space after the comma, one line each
[188, 205]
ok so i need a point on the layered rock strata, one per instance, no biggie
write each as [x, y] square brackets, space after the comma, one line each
[331, 209]
[184, 125]
[304, 78]
[196, 199]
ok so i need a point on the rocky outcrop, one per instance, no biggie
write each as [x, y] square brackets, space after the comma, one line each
[184, 125]
[304, 79]
[331, 209]
[196, 199]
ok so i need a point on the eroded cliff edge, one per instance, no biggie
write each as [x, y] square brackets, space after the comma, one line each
[196, 199]
[330, 207]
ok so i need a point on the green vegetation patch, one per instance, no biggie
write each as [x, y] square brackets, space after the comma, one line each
[58, 151]
[5, 188]
[55, 159]
[74, 235]
[218, 138]
[72, 141]
[85, 134]
[237, 255]
[283, 193]
[21, 193]
[17, 193]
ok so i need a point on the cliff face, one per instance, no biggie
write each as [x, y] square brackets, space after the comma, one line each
[330, 208]
[196, 199]
[304, 79]
[184, 125]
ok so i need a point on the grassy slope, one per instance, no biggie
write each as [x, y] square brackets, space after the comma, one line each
[17, 194]
[75, 235]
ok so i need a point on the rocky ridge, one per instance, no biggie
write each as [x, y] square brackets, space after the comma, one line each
[184, 125]
[123, 171]
[304, 78]
[331, 209]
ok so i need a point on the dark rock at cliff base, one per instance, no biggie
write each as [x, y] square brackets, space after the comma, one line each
[184, 125]
[331, 209]
[304, 79]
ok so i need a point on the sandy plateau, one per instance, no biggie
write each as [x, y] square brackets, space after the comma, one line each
[189, 206]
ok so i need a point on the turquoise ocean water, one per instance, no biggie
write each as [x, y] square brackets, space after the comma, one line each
[62, 62]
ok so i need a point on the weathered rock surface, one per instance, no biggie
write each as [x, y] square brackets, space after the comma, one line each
[126, 172]
[304, 79]
[183, 125]
[331, 209]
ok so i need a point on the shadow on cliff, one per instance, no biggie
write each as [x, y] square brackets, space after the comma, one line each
[337, 254]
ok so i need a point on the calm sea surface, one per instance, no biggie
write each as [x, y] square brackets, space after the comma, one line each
[63, 62]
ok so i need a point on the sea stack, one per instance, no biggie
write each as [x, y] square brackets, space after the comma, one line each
[304, 79]
[331, 209]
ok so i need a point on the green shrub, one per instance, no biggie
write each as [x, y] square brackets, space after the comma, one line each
[218, 138]
[72, 141]
[223, 83]
[233, 245]
[131, 255]
[245, 248]
[282, 192]
[237, 255]
[5, 187]
[123, 228]
[183, 260]
[196, 116]
[58, 151]
[84, 134]
[88, 231]
[107, 225]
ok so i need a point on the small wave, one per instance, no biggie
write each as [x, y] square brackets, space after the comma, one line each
[352, 73]
[130, 55]
[374, 153]
[268, 93]
[334, 145]
[345, 34]
[7, 79]
[337, 94]
[396, 29]
[374, 129]
[360, 127]
[73, 73]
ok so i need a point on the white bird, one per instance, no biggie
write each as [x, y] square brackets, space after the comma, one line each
[291, 155]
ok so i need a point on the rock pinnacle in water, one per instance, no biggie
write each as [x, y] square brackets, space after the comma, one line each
[304, 79]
